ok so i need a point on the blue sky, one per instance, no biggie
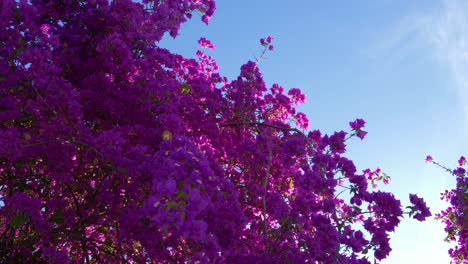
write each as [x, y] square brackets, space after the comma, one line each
[400, 65]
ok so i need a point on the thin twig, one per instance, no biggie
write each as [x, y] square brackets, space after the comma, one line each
[309, 143]
[120, 244]
[265, 189]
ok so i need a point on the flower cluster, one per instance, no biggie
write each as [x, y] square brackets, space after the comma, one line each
[357, 126]
[206, 44]
[266, 42]
[116, 150]
[455, 217]
[419, 208]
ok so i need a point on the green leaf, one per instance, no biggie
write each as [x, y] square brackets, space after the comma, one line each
[18, 220]
[186, 88]
[183, 215]
[171, 205]
[57, 217]
[103, 229]
[181, 195]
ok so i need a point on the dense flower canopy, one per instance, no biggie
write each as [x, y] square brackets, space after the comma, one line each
[116, 150]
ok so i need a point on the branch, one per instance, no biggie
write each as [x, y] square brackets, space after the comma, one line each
[119, 244]
[309, 143]
[337, 248]
[265, 188]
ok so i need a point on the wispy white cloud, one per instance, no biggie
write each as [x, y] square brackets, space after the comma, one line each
[440, 31]
[392, 46]
[401, 38]
[448, 33]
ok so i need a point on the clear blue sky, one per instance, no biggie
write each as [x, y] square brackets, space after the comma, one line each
[401, 65]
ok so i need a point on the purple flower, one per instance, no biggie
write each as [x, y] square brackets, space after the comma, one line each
[337, 142]
[266, 41]
[429, 158]
[459, 171]
[420, 207]
[297, 97]
[206, 44]
[462, 161]
[302, 121]
[357, 126]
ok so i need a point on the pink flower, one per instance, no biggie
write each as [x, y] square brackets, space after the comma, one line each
[429, 158]
[297, 97]
[45, 29]
[462, 161]
[266, 41]
[302, 121]
[206, 44]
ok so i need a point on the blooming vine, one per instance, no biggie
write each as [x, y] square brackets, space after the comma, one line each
[455, 217]
[116, 150]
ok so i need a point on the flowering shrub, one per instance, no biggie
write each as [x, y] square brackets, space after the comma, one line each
[455, 217]
[115, 150]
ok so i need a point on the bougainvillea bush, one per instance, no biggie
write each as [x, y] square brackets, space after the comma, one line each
[116, 150]
[455, 217]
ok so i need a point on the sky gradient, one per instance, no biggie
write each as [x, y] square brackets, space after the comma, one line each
[400, 65]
